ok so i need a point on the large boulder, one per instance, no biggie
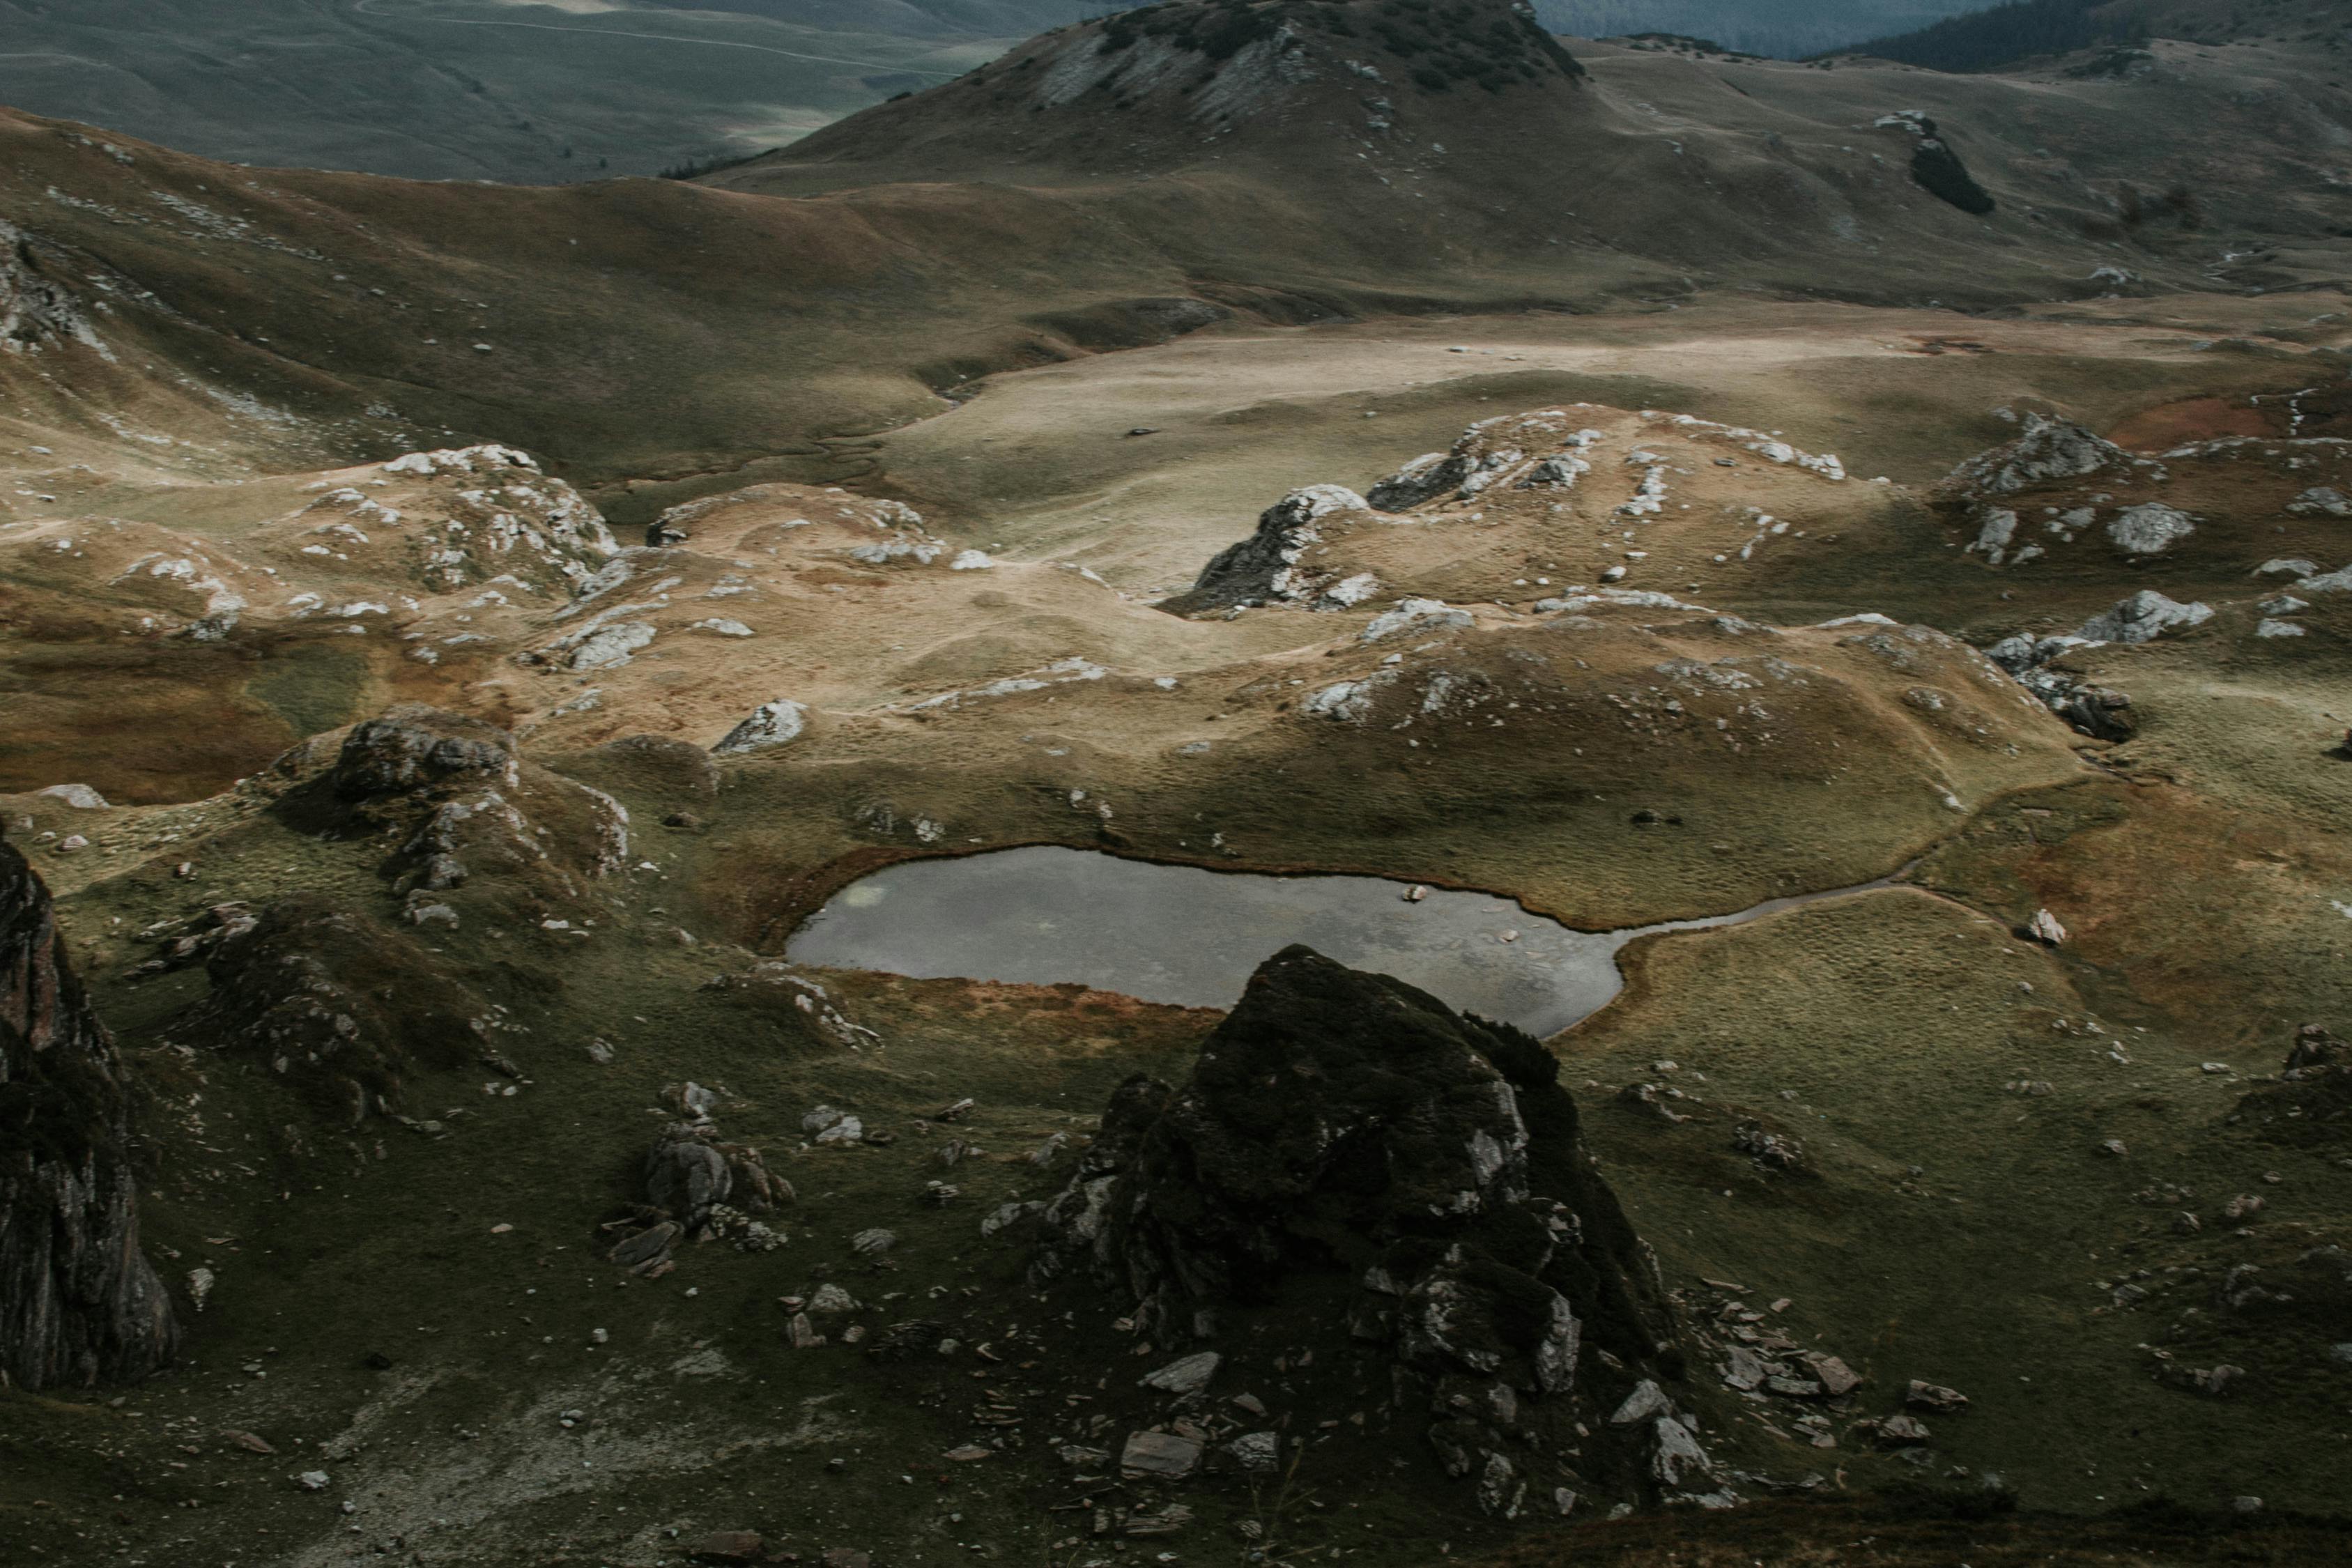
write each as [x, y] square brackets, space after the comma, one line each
[78, 1301]
[1343, 1133]
[2143, 617]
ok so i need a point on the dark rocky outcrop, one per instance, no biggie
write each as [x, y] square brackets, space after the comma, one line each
[1415, 1178]
[1424, 479]
[414, 747]
[697, 1187]
[78, 1301]
[339, 1006]
[467, 810]
[1940, 173]
[2099, 711]
[2312, 1102]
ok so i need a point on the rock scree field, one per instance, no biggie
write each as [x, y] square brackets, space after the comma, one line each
[454, 636]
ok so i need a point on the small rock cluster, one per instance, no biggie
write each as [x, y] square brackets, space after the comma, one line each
[1804, 1394]
[699, 1187]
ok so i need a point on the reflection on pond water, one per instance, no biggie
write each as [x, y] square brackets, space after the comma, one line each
[1191, 937]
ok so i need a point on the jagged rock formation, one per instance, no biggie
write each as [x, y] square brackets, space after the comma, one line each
[2100, 712]
[1263, 568]
[78, 1301]
[2048, 450]
[1344, 1135]
[36, 311]
[770, 724]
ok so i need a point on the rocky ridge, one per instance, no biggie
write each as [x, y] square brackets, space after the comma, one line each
[78, 1301]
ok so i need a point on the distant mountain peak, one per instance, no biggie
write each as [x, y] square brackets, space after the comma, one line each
[1160, 79]
[1217, 59]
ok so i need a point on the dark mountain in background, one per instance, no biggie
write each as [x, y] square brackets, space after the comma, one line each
[914, 18]
[1784, 28]
[2022, 30]
[559, 94]
[1082, 192]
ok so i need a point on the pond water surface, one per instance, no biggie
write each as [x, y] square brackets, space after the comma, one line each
[1179, 934]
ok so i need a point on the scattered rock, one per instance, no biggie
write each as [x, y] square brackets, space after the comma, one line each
[1934, 1396]
[1836, 1378]
[684, 1176]
[1774, 1150]
[1167, 1520]
[1901, 1432]
[648, 1246]
[1160, 1455]
[1264, 567]
[831, 1300]
[1189, 1375]
[2312, 1102]
[2044, 928]
[2048, 451]
[1677, 1460]
[1646, 1402]
[2099, 711]
[1257, 1452]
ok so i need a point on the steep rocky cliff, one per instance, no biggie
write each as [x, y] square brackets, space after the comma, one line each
[78, 1301]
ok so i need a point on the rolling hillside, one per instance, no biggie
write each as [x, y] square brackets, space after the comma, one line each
[501, 89]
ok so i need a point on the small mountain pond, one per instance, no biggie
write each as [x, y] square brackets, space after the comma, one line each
[1180, 934]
